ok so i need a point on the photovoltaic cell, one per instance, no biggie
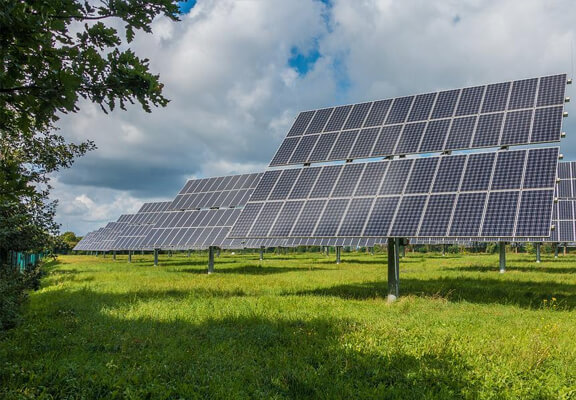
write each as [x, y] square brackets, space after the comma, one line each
[470, 100]
[378, 113]
[371, 179]
[396, 177]
[284, 184]
[408, 216]
[422, 106]
[516, 127]
[437, 216]
[467, 217]
[304, 183]
[488, 130]
[534, 214]
[343, 145]
[265, 219]
[325, 182]
[547, 125]
[508, 170]
[435, 136]
[475, 176]
[551, 90]
[410, 138]
[265, 186]
[523, 94]
[445, 104]
[387, 140]
[381, 216]
[399, 110]
[285, 151]
[500, 214]
[356, 216]
[365, 142]
[422, 175]
[348, 180]
[286, 218]
[338, 118]
[357, 116]
[308, 217]
[496, 97]
[461, 133]
[449, 174]
[301, 123]
[319, 121]
[304, 149]
[330, 220]
[540, 168]
[323, 147]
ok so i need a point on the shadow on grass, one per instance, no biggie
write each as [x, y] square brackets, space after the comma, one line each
[519, 268]
[483, 291]
[249, 270]
[228, 357]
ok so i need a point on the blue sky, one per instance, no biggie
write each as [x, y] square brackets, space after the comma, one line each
[238, 72]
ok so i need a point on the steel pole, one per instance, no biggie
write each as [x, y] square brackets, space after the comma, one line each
[502, 257]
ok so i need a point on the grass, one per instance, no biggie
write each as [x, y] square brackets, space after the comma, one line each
[298, 326]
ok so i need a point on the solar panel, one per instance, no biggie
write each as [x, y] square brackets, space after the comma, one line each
[494, 194]
[139, 225]
[502, 114]
[203, 212]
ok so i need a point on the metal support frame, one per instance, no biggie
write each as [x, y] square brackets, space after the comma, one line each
[327, 251]
[156, 251]
[338, 254]
[114, 255]
[402, 250]
[538, 258]
[565, 248]
[188, 254]
[210, 259]
[443, 250]
[502, 248]
[129, 256]
[556, 245]
[393, 270]
[261, 253]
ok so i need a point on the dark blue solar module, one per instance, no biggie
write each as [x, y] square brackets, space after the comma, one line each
[503, 114]
[319, 121]
[437, 215]
[343, 145]
[303, 150]
[371, 179]
[500, 213]
[358, 211]
[304, 183]
[382, 216]
[286, 218]
[338, 118]
[509, 169]
[365, 142]
[478, 172]
[357, 116]
[449, 174]
[330, 220]
[422, 175]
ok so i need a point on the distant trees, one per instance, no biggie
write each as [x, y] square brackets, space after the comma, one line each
[54, 53]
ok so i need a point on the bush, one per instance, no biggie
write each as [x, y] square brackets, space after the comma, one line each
[13, 287]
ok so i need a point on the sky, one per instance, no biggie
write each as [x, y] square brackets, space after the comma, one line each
[237, 73]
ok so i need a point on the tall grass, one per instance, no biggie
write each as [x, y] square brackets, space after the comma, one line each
[297, 326]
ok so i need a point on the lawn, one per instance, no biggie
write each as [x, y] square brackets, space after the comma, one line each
[296, 326]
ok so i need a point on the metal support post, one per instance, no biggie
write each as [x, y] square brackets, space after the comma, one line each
[556, 245]
[328, 251]
[218, 252]
[393, 270]
[210, 259]
[565, 248]
[402, 250]
[538, 259]
[338, 254]
[443, 250]
[261, 253]
[129, 256]
[156, 257]
[188, 255]
[502, 246]
[114, 255]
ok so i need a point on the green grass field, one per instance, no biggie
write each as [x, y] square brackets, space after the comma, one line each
[298, 326]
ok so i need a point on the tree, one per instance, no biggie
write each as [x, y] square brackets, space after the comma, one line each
[54, 53]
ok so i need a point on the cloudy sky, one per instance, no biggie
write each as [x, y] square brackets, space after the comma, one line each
[238, 71]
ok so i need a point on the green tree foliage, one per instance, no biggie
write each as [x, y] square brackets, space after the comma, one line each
[55, 53]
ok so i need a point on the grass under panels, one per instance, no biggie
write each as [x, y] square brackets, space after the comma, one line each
[299, 326]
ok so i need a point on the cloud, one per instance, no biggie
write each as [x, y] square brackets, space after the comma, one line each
[237, 73]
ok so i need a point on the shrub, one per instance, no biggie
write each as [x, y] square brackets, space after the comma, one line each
[13, 287]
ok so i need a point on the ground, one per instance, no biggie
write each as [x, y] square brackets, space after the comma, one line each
[296, 326]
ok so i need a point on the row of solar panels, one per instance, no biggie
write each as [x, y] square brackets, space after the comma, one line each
[491, 195]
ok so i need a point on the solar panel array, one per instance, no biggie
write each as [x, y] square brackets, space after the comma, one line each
[134, 233]
[505, 193]
[566, 180]
[224, 191]
[511, 113]
[206, 209]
